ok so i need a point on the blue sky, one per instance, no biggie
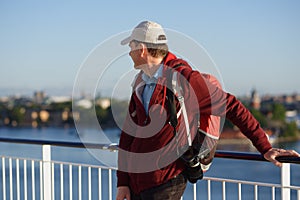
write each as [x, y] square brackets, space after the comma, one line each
[255, 44]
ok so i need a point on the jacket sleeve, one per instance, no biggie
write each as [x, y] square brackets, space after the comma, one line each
[122, 172]
[124, 146]
[214, 101]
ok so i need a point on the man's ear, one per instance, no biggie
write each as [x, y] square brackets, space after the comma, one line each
[143, 49]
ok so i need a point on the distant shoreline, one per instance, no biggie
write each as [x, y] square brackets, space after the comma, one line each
[244, 141]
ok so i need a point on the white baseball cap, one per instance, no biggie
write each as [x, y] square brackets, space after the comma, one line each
[148, 32]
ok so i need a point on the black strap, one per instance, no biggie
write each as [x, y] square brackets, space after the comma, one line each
[171, 99]
[172, 106]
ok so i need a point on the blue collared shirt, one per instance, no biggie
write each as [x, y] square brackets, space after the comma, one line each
[150, 86]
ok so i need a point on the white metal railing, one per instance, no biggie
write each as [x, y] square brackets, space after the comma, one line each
[45, 179]
[284, 189]
[56, 180]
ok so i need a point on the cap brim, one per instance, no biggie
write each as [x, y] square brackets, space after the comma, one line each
[126, 41]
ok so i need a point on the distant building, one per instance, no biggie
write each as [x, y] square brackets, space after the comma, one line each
[255, 100]
[103, 103]
[84, 103]
[39, 97]
[59, 99]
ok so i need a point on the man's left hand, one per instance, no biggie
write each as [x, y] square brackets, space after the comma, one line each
[273, 153]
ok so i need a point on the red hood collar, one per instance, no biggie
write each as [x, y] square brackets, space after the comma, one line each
[169, 57]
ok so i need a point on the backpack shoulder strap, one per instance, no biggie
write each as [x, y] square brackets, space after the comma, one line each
[174, 90]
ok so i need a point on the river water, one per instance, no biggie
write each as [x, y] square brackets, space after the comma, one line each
[223, 168]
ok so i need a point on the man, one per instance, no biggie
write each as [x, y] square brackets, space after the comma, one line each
[147, 165]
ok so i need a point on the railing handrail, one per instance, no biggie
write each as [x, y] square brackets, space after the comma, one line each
[114, 147]
[254, 156]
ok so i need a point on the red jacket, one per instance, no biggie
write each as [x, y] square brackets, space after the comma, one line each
[148, 153]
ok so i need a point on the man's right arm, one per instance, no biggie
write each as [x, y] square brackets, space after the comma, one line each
[125, 146]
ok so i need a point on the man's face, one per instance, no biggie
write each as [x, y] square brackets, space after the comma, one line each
[135, 54]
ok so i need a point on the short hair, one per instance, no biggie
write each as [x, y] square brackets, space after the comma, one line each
[156, 50]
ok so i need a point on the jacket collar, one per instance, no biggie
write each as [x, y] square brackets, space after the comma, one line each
[169, 57]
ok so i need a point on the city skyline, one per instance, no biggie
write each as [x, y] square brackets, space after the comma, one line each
[253, 44]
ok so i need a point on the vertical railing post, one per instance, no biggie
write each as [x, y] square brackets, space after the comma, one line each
[110, 184]
[285, 181]
[47, 185]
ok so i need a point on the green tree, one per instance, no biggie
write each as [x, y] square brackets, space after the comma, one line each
[259, 117]
[228, 124]
[118, 111]
[17, 114]
[291, 130]
[102, 114]
[61, 106]
[278, 111]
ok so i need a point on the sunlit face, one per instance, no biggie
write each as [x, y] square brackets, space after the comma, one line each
[135, 54]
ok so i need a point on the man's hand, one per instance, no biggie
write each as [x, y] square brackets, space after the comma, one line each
[123, 193]
[274, 152]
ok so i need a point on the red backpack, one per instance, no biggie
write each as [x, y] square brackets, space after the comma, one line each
[202, 148]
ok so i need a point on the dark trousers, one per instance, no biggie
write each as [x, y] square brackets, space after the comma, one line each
[171, 190]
